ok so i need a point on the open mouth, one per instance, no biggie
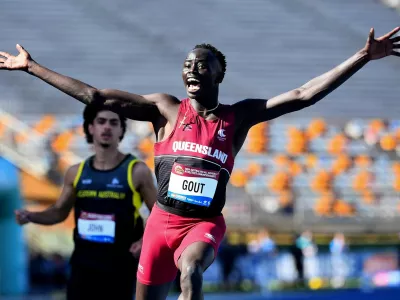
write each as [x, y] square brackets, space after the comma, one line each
[106, 135]
[193, 85]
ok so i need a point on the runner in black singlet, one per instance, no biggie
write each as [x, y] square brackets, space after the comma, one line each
[192, 238]
[106, 191]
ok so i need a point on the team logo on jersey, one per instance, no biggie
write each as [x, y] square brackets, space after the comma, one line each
[86, 181]
[179, 170]
[115, 183]
[187, 127]
[221, 136]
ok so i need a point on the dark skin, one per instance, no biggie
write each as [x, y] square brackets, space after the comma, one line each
[162, 110]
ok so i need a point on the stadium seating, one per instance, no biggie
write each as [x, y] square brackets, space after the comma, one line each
[331, 169]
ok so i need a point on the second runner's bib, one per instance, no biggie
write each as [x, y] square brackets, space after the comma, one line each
[96, 227]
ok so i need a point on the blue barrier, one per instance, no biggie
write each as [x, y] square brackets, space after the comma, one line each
[13, 254]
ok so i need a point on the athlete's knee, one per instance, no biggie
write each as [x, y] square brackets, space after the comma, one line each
[191, 277]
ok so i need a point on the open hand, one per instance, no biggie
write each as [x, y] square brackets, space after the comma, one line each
[382, 46]
[136, 248]
[11, 62]
[22, 216]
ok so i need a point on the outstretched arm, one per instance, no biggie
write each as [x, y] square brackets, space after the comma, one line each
[56, 213]
[253, 111]
[133, 106]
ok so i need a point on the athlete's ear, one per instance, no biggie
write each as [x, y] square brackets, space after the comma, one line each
[91, 129]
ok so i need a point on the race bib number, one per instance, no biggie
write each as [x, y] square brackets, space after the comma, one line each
[96, 228]
[192, 185]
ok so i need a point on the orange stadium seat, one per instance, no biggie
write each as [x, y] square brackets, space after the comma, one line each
[149, 161]
[377, 125]
[362, 180]
[146, 146]
[297, 141]
[368, 196]
[362, 161]
[281, 160]
[3, 129]
[323, 206]
[280, 181]
[239, 178]
[295, 168]
[342, 208]
[253, 169]
[45, 123]
[396, 168]
[62, 141]
[285, 198]
[337, 144]
[321, 182]
[257, 139]
[316, 128]
[341, 164]
[311, 161]
[396, 183]
[388, 142]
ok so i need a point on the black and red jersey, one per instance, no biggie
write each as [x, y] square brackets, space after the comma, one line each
[193, 164]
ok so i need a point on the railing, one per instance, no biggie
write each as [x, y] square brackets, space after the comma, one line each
[27, 148]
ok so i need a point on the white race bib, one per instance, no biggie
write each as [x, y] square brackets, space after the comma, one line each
[96, 228]
[192, 185]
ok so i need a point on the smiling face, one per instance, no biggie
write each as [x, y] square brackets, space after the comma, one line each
[201, 75]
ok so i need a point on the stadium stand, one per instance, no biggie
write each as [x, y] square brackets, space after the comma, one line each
[265, 55]
[335, 160]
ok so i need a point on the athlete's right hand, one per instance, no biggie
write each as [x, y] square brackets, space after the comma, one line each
[22, 216]
[11, 62]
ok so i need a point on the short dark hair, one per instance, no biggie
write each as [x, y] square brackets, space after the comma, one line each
[218, 54]
[90, 113]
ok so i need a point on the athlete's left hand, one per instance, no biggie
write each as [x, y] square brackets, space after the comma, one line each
[136, 247]
[382, 46]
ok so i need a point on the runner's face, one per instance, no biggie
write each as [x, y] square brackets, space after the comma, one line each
[106, 129]
[200, 74]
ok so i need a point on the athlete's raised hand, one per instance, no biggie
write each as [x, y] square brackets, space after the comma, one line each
[22, 216]
[11, 62]
[382, 46]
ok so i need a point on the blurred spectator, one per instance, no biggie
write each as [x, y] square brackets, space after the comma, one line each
[337, 249]
[309, 249]
[338, 244]
[305, 243]
[298, 258]
[264, 244]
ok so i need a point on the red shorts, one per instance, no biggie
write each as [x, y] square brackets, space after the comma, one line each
[165, 238]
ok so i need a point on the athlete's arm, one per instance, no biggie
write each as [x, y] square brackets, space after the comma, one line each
[143, 181]
[137, 107]
[253, 111]
[58, 212]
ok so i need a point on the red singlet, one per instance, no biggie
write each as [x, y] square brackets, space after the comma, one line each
[193, 166]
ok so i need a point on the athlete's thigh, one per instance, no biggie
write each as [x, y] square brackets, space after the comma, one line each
[200, 253]
[201, 243]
